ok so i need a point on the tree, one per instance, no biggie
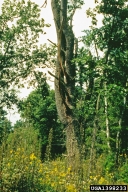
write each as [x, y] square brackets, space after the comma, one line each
[114, 44]
[5, 130]
[65, 74]
[20, 54]
[5, 125]
[39, 111]
[109, 77]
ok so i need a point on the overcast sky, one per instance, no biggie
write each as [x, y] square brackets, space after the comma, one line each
[80, 23]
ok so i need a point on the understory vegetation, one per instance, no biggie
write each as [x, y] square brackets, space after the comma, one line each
[23, 170]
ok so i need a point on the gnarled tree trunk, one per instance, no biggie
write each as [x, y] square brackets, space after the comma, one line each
[65, 78]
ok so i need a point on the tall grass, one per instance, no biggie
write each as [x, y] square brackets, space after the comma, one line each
[23, 171]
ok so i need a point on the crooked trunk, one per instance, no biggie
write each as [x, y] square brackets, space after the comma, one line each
[65, 78]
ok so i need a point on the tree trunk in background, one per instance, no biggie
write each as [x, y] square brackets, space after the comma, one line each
[106, 117]
[65, 79]
[120, 126]
[93, 150]
[118, 144]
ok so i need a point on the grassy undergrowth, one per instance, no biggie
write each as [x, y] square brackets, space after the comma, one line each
[21, 169]
[24, 173]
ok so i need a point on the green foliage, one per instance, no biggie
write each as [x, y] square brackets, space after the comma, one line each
[22, 169]
[49, 146]
[109, 163]
[19, 124]
[102, 76]
[17, 159]
[21, 26]
[5, 125]
[39, 110]
[26, 138]
[124, 172]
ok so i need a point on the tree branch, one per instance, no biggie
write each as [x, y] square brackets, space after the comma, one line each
[52, 42]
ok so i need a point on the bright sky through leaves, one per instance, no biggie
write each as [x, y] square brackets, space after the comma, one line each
[80, 23]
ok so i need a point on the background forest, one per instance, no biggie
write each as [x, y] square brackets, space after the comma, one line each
[37, 152]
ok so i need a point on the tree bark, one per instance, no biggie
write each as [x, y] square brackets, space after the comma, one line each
[65, 78]
[106, 117]
[94, 134]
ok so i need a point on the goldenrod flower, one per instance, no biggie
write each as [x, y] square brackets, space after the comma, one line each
[32, 157]
[102, 180]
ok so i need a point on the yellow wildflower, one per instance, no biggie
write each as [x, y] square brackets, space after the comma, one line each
[32, 156]
[102, 180]
[11, 151]
[71, 188]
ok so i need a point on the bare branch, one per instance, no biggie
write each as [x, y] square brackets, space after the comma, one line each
[44, 4]
[52, 42]
[53, 75]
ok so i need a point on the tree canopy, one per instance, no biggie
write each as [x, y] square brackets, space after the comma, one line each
[20, 55]
[39, 111]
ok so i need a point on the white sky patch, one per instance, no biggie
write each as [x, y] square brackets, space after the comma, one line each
[13, 115]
